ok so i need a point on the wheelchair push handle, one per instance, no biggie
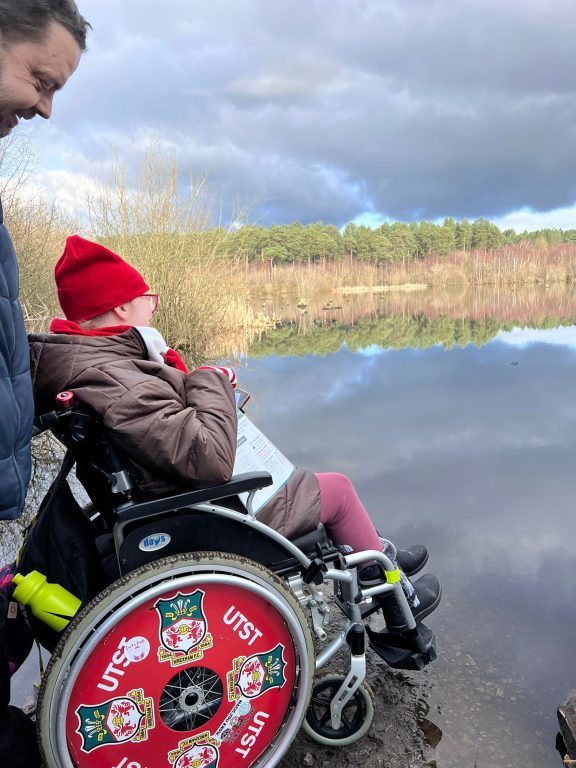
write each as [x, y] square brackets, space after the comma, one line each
[65, 400]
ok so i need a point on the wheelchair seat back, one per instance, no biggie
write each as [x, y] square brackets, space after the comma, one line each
[138, 528]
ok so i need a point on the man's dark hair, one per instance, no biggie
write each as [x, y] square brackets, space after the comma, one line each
[28, 20]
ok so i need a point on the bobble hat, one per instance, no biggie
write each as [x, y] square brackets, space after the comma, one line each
[92, 280]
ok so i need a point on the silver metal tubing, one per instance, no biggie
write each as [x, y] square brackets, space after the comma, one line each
[338, 642]
[356, 558]
[296, 553]
[335, 575]
[372, 554]
[377, 590]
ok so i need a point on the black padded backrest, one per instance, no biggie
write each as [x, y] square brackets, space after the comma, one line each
[98, 461]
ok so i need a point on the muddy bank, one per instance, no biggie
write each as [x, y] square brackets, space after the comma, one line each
[395, 739]
[401, 735]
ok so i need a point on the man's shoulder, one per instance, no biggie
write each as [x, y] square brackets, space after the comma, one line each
[8, 266]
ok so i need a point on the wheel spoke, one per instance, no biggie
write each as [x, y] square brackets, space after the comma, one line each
[325, 717]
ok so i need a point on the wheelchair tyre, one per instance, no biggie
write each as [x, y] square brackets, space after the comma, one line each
[357, 713]
[197, 659]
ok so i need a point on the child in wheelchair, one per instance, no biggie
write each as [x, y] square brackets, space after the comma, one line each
[179, 427]
[187, 640]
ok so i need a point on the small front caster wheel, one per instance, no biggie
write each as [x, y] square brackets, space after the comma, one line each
[357, 713]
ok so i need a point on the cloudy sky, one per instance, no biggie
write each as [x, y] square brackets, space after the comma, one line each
[336, 110]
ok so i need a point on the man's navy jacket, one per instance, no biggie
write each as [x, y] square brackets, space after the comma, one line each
[16, 402]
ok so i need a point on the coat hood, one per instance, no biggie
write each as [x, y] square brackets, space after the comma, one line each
[65, 356]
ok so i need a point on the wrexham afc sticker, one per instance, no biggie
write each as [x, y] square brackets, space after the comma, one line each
[253, 676]
[200, 751]
[125, 718]
[183, 628]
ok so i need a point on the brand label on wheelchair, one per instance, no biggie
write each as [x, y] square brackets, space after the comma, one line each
[254, 675]
[155, 541]
[125, 718]
[200, 750]
[183, 628]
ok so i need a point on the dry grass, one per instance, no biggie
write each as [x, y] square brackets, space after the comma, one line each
[159, 223]
[509, 265]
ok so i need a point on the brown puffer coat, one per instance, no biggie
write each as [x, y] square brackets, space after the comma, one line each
[178, 429]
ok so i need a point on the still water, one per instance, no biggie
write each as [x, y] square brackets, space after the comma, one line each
[472, 451]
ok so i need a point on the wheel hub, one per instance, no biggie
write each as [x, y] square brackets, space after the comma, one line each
[191, 698]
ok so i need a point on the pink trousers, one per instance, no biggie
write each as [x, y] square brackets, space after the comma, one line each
[343, 514]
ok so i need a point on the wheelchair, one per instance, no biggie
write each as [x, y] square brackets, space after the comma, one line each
[203, 647]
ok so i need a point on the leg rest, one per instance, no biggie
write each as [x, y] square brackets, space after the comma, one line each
[407, 651]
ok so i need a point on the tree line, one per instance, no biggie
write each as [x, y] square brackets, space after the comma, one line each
[390, 242]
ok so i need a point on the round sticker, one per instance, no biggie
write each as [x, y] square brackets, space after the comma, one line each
[137, 648]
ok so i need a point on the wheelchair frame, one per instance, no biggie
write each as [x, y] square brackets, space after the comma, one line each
[304, 565]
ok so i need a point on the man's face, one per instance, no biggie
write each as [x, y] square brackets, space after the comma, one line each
[30, 74]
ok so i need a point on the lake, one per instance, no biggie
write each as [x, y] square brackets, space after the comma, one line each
[470, 450]
[454, 415]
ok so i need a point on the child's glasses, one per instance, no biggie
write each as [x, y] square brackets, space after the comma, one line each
[152, 299]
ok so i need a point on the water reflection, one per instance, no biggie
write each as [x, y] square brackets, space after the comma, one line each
[452, 316]
[472, 451]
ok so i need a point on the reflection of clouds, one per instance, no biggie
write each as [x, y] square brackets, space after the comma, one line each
[474, 457]
[372, 351]
[522, 337]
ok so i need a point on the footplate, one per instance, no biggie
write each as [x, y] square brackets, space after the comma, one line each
[402, 651]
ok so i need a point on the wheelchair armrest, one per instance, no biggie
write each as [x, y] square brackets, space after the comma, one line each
[248, 481]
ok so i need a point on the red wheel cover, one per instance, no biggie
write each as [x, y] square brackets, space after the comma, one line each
[113, 718]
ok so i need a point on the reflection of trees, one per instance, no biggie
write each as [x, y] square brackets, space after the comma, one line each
[389, 331]
[522, 303]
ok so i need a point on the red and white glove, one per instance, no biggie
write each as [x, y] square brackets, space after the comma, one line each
[228, 372]
[173, 359]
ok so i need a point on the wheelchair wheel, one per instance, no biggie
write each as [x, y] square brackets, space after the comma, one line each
[196, 660]
[357, 713]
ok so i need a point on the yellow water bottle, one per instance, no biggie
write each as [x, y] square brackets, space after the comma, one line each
[50, 603]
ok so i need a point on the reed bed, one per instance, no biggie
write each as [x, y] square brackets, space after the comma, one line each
[508, 265]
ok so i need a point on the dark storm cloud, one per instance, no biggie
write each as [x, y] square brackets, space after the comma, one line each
[325, 109]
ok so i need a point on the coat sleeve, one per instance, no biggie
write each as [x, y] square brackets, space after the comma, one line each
[191, 441]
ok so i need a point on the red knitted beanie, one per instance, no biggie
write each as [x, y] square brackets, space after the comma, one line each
[92, 280]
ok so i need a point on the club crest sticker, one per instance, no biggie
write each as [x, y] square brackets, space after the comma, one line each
[183, 628]
[253, 676]
[200, 751]
[125, 718]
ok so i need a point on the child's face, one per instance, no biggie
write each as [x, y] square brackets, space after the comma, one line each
[139, 311]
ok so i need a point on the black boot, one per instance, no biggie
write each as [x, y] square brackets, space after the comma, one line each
[428, 591]
[410, 561]
[413, 559]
